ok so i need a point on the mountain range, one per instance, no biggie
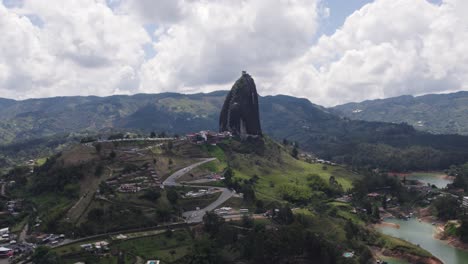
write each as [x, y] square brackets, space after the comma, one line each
[435, 113]
[23, 125]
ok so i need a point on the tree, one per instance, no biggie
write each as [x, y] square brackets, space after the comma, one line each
[285, 141]
[172, 196]
[228, 177]
[463, 230]
[259, 206]
[375, 212]
[163, 214]
[249, 193]
[98, 147]
[43, 255]
[172, 252]
[285, 215]
[384, 202]
[99, 170]
[169, 233]
[152, 134]
[446, 207]
[368, 207]
[170, 145]
[205, 252]
[104, 188]
[151, 195]
[352, 230]
[96, 215]
[247, 221]
[295, 152]
[212, 223]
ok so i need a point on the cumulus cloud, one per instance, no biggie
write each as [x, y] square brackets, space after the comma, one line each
[79, 47]
[215, 40]
[150, 11]
[387, 48]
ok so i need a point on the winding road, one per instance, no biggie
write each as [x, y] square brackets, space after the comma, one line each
[197, 215]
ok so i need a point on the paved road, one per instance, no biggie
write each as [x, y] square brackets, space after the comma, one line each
[197, 216]
[171, 180]
[201, 181]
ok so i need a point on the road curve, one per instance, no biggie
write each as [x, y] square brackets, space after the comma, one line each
[197, 216]
[171, 180]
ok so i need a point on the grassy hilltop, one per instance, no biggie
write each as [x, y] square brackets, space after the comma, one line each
[73, 193]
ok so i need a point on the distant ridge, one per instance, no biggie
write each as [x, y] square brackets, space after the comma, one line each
[435, 113]
[31, 128]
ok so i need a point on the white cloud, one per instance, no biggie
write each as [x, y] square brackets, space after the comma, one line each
[150, 11]
[388, 48]
[215, 40]
[82, 47]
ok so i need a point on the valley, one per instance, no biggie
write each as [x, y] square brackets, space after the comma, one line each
[147, 185]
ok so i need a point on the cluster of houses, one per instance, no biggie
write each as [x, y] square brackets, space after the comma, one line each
[229, 211]
[207, 137]
[223, 211]
[51, 239]
[135, 181]
[4, 234]
[14, 206]
[10, 247]
[312, 159]
[326, 162]
[96, 247]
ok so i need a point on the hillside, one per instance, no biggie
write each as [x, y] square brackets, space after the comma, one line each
[354, 142]
[435, 113]
[65, 188]
[77, 190]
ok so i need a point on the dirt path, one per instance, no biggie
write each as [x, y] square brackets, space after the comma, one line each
[23, 234]
[79, 208]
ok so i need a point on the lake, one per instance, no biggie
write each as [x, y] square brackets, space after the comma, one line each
[433, 178]
[420, 233]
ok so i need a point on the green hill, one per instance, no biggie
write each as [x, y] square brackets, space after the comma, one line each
[36, 127]
[435, 113]
[71, 195]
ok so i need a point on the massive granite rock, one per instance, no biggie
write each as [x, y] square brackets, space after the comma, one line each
[240, 114]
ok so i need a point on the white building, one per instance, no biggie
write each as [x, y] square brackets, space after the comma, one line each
[465, 202]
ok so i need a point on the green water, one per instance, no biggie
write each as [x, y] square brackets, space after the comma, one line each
[393, 260]
[431, 178]
[421, 234]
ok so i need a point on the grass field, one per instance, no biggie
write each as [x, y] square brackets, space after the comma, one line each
[274, 166]
[393, 243]
[159, 246]
[344, 211]
[293, 171]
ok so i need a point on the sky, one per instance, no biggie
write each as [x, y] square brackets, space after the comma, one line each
[329, 51]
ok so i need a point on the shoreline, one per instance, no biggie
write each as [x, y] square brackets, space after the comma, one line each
[422, 215]
[440, 230]
[380, 252]
[387, 224]
[437, 174]
[452, 241]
